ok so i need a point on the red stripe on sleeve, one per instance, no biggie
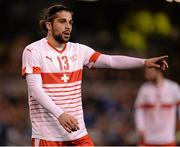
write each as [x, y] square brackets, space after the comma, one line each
[23, 72]
[36, 70]
[94, 57]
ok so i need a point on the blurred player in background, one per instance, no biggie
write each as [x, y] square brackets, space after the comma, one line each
[155, 115]
[53, 68]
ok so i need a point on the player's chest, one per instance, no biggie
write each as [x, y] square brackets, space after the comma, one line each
[56, 62]
[159, 96]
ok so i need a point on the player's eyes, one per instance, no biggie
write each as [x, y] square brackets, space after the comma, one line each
[62, 21]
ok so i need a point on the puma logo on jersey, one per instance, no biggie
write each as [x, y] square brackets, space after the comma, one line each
[73, 58]
[29, 50]
[49, 58]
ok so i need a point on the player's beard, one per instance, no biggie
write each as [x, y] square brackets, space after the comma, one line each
[60, 37]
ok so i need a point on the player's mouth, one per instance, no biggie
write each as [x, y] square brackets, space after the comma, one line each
[66, 34]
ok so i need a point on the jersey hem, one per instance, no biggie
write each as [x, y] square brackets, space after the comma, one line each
[67, 138]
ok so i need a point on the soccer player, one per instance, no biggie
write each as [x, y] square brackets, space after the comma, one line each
[155, 115]
[53, 68]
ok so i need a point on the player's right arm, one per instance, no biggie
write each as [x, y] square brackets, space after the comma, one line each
[31, 69]
[98, 60]
[34, 82]
[126, 62]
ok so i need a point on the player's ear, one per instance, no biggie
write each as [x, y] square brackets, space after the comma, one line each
[48, 25]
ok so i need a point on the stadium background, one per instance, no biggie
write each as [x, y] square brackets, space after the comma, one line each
[137, 28]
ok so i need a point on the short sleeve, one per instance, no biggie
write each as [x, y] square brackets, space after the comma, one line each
[90, 56]
[30, 61]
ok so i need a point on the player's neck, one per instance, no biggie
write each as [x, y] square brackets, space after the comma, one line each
[54, 43]
[159, 81]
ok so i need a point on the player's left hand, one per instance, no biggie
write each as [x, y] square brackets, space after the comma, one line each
[157, 62]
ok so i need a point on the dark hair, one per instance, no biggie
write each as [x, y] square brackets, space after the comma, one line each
[49, 14]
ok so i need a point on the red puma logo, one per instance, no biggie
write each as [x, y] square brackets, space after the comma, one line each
[50, 58]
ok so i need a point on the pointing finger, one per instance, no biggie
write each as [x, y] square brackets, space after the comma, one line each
[163, 57]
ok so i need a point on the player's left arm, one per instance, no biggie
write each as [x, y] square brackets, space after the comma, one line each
[139, 114]
[178, 118]
[178, 123]
[125, 62]
[176, 92]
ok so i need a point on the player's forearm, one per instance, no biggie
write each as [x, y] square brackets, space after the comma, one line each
[118, 62]
[34, 85]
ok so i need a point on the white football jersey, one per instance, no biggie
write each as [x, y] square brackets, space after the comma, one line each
[61, 73]
[158, 107]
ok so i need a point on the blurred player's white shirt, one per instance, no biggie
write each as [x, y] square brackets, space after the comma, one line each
[156, 111]
[61, 73]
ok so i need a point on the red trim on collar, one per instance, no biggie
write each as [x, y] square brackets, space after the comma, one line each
[59, 51]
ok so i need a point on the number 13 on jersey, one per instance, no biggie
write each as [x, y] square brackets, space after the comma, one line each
[63, 63]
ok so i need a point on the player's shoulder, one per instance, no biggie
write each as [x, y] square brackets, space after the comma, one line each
[145, 86]
[72, 44]
[35, 45]
[77, 45]
[171, 83]
[38, 43]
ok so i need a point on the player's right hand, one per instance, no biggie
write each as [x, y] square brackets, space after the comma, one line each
[157, 62]
[68, 122]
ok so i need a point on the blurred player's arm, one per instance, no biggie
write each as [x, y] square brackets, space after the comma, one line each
[139, 113]
[124, 62]
[177, 98]
[178, 118]
[68, 122]
[139, 123]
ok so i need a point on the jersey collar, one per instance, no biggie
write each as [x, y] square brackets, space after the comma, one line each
[59, 51]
